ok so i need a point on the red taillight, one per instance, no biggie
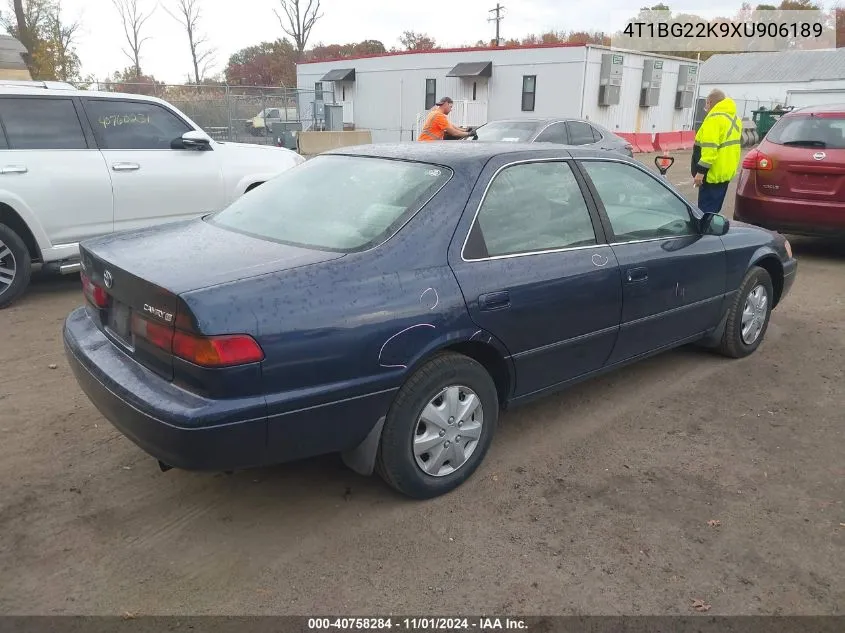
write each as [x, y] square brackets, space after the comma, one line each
[217, 351]
[757, 160]
[158, 335]
[96, 295]
[207, 351]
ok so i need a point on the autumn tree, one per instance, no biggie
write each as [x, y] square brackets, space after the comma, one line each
[133, 18]
[266, 64]
[49, 39]
[296, 22]
[339, 51]
[413, 41]
[127, 80]
[187, 13]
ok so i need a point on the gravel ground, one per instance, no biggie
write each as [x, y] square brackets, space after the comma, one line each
[686, 477]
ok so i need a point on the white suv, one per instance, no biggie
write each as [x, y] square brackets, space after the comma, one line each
[76, 164]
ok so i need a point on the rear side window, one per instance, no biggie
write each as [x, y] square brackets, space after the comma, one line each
[133, 124]
[809, 131]
[555, 133]
[531, 207]
[41, 123]
[596, 134]
[580, 133]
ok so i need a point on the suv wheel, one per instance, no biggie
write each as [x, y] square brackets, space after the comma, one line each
[15, 266]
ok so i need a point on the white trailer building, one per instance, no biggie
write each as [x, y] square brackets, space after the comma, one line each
[798, 78]
[621, 90]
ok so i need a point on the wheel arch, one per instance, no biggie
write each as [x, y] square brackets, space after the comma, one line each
[771, 263]
[14, 221]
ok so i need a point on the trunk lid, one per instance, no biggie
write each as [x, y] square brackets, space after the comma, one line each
[143, 273]
[808, 158]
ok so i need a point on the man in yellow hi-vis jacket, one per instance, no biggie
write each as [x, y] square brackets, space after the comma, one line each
[717, 150]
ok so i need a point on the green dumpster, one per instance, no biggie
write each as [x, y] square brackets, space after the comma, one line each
[764, 119]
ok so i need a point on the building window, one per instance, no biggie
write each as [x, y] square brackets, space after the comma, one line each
[529, 92]
[430, 93]
[318, 91]
[474, 88]
[343, 93]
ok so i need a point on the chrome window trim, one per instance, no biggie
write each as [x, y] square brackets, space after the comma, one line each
[523, 254]
[569, 248]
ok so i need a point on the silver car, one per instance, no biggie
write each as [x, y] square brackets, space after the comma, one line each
[563, 131]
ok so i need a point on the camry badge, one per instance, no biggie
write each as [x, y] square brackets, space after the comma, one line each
[819, 155]
[108, 279]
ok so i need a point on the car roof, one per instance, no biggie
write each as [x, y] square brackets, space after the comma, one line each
[61, 89]
[827, 107]
[463, 154]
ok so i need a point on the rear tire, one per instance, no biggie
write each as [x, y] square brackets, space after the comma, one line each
[417, 451]
[15, 266]
[748, 316]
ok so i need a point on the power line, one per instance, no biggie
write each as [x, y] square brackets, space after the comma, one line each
[499, 17]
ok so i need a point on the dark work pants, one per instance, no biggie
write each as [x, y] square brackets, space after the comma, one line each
[711, 196]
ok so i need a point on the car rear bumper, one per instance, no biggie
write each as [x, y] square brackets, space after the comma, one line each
[798, 217]
[188, 431]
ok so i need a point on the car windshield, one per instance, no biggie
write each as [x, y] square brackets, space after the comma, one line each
[513, 131]
[809, 131]
[336, 203]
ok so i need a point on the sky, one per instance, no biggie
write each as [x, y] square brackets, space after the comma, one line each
[231, 26]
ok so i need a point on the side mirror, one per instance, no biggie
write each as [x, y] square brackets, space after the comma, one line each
[193, 140]
[714, 224]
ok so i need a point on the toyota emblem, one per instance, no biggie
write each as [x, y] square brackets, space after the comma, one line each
[819, 155]
[108, 279]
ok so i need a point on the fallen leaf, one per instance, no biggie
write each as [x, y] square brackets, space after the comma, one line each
[842, 525]
[495, 477]
[127, 468]
[52, 366]
[129, 616]
[700, 605]
[714, 523]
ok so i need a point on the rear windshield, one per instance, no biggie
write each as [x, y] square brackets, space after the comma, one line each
[809, 131]
[513, 131]
[335, 203]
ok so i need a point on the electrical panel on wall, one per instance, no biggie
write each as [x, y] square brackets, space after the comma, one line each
[652, 78]
[687, 75]
[610, 79]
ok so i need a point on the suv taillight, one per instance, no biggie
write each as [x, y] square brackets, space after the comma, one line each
[758, 161]
[207, 351]
[97, 296]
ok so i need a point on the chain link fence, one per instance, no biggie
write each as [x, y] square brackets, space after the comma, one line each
[264, 115]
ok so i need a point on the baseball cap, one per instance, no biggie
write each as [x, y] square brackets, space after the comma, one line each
[444, 100]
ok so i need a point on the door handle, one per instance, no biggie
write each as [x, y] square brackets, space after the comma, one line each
[13, 169]
[495, 300]
[636, 275]
[125, 166]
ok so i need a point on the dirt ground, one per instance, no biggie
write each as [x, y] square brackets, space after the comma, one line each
[595, 501]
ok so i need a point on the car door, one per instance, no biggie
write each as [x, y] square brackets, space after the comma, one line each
[52, 171]
[536, 273]
[673, 277]
[554, 133]
[153, 181]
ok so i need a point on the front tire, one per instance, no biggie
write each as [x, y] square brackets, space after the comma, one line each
[15, 266]
[439, 427]
[748, 317]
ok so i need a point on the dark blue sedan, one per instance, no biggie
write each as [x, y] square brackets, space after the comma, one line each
[385, 302]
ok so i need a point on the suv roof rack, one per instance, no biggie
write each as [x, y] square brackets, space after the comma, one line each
[47, 85]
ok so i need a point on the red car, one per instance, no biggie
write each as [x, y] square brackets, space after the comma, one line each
[794, 181]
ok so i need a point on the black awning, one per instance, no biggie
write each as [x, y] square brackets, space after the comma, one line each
[472, 69]
[340, 74]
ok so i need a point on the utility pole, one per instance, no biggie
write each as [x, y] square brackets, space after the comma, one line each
[499, 17]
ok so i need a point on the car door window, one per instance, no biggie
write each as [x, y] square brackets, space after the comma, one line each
[580, 133]
[273, 114]
[133, 124]
[42, 123]
[596, 134]
[532, 207]
[637, 205]
[555, 133]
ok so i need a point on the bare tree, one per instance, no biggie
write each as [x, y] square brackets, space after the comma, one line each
[133, 18]
[298, 23]
[187, 13]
